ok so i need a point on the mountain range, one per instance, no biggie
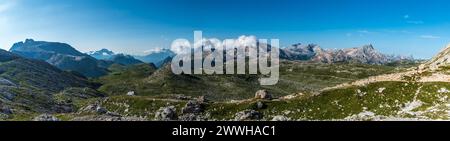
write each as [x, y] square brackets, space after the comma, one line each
[68, 58]
[95, 63]
[156, 58]
[314, 53]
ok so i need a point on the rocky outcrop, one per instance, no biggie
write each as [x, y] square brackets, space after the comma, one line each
[193, 111]
[131, 93]
[107, 117]
[280, 118]
[93, 108]
[193, 107]
[263, 94]
[46, 117]
[6, 110]
[166, 114]
[442, 59]
[192, 117]
[248, 115]
[314, 53]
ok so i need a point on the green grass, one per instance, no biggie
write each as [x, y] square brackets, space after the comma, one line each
[330, 105]
[295, 77]
[123, 80]
[139, 106]
[341, 103]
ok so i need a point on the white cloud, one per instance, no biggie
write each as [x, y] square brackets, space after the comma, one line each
[429, 37]
[412, 21]
[154, 50]
[398, 31]
[6, 5]
[208, 43]
[246, 41]
[364, 31]
[406, 17]
[181, 46]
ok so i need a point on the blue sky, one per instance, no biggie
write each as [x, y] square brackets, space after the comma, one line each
[407, 27]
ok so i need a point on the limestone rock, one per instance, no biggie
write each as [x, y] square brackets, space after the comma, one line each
[280, 118]
[248, 115]
[166, 114]
[46, 117]
[263, 94]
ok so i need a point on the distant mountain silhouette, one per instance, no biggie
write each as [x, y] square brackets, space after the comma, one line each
[157, 57]
[102, 54]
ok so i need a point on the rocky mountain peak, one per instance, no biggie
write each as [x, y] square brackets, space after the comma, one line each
[103, 51]
[31, 45]
[368, 47]
[29, 40]
[61, 55]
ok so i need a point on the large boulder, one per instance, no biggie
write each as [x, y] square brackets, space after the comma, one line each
[193, 107]
[6, 110]
[260, 105]
[131, 93]
[263, 94]
[93, 108]
[202, 99]
[166, 114]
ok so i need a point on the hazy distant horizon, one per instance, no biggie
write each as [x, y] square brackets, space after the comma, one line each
[133, 27]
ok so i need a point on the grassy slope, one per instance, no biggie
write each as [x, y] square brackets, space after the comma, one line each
[391, 103]
[295, 77]
[330, 105]
[36, 84]
[125, 79]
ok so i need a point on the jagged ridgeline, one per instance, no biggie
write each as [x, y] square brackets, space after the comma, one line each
[297, 76]
[314, 53]
[440, 62]
[65, 57]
